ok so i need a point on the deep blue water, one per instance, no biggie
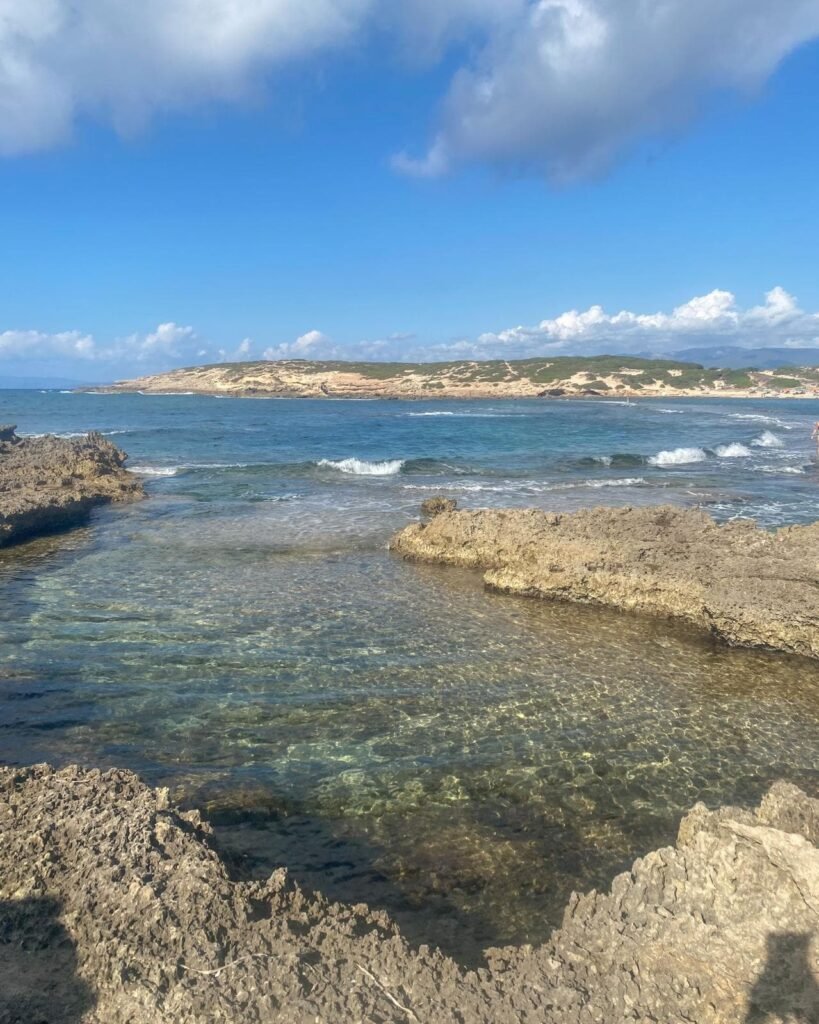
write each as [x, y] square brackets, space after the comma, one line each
[393, 732]
[736, 457]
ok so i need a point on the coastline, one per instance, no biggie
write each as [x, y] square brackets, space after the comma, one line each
[637, 396]
[604, 377]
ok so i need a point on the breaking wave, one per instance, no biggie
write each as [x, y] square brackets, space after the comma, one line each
[616, 459]
[360, 467]
[155, 470]
[678, 457]
[767, 440]
[732, 451]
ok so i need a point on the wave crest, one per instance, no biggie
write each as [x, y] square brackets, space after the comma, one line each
[677, 457]
[732, 451]
[154, 470]
[767, 439]
[360, 467]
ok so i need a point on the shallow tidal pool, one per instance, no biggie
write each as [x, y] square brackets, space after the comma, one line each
[393, 733]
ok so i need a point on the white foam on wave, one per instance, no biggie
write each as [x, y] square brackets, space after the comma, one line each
[66, 435]
[767, 439]
[360, 467]
[626, 481]
[782, 469]
[469, 415]
[759, 417]
[732, 451]
[527, 486]
[154, 470]
[677, 457]
[671, 412]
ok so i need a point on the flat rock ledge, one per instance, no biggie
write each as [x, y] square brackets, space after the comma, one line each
[116, 908]
[747, 586]
[52, 483]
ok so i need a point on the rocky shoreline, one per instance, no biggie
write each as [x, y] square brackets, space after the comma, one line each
[116, 908]
[742, 584]
[51, 483]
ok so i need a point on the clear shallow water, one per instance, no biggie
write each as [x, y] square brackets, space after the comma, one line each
[392, 732]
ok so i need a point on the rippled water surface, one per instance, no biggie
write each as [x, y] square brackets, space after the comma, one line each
[393, 732]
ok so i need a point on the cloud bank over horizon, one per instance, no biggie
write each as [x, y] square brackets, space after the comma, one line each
[713, 321]
[556, 88]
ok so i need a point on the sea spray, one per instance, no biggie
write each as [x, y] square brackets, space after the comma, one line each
[678, 457]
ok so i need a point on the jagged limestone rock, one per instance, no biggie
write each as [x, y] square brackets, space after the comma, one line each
[743, 584]
[128, 904]
[51, 483]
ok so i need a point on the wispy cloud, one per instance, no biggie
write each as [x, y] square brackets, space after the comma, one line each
[558, 88]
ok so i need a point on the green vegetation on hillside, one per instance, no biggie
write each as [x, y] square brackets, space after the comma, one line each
[596, 373]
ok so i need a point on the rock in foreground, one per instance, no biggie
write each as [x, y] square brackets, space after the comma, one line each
[115, 908]
[745, 585]
[51, 483]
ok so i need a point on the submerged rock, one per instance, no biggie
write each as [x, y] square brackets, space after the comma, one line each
[51, 483]
[129, 904]
[435, 506]
[743, 584]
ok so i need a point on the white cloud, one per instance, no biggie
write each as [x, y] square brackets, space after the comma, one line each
[23, 344]
[169, 338]
[715, 318]
[563, 87]
[554, 87]
[124, 60]
[312, 345]
[166, 344]
[712, 320]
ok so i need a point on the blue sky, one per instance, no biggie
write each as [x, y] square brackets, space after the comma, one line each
[342, 202]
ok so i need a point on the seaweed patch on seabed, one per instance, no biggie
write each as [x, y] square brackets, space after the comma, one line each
[139, 921]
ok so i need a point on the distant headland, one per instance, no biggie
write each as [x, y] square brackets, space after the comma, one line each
[555, 377]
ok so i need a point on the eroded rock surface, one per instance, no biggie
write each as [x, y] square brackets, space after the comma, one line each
[50, 483]
[131, 906]
[746, 585]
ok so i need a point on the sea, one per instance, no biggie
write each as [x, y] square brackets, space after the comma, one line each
[395, 733]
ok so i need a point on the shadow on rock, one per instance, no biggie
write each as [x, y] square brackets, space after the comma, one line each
[38, 966]
[786, 989]
[350, 870]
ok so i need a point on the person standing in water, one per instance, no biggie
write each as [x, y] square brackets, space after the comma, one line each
[815, 436]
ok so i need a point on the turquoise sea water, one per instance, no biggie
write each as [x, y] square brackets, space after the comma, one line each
[392, 732]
